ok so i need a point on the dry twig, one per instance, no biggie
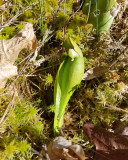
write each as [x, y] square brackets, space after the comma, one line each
[32, 149]
[7, 109]
[115, 108]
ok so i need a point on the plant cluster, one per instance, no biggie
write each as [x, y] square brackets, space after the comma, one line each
[103, 100]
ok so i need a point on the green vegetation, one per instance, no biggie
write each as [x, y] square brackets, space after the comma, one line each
[29, 119]
[69, 76]
[99, 14]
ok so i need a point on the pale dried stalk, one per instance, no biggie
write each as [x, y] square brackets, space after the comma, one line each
[7, 109]
[116, 108]
[12, 20]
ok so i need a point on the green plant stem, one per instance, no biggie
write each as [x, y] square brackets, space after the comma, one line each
[41, 12]
[89, 10]
[96, 18]
[31, 8]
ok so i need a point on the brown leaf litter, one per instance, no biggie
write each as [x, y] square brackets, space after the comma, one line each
[109, 146]
[10, 49]
[61, 149]
[95, 72]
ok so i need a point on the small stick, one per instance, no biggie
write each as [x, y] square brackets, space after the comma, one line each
[118, 57]
[74, 13]
[7, 109]
[116, 108]
[32, 149]
[28, 136]
[28, 90]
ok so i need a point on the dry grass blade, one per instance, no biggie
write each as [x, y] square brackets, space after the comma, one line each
[116, 108]
[7, 109]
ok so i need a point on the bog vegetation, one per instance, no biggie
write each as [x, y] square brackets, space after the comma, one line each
[27, 115]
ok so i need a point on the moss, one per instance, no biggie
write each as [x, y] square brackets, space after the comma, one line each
[31, 115]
